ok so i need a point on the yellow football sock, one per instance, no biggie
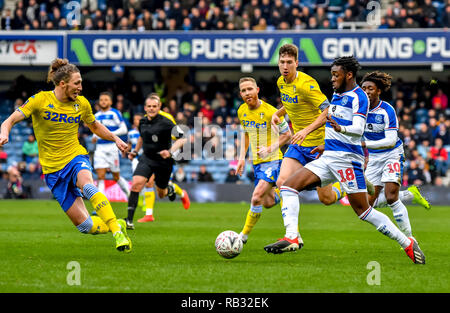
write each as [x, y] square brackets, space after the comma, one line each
[99, 226]
[338, 191]
[149, 198]
[177, 189]
[250, 221]
[105, 211]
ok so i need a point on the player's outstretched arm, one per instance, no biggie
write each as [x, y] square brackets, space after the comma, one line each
[356, 128]
[13, 119]
[103, 132]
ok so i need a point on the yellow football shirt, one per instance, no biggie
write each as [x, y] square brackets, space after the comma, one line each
[302, 99]
[257, 124]
[56, 126]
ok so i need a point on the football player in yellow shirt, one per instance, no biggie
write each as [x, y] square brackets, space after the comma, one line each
[255, 116]
[56, 116]
[307, 108]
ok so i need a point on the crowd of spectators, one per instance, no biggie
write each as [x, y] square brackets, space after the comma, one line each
[187, 15]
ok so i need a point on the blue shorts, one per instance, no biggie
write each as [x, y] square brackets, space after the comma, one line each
[63, 183]
[267, 171]
[301, 154]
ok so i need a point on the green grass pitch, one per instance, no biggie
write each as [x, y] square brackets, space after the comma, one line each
[176, 254]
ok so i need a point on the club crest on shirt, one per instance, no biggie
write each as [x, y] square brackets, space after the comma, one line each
[378, 118]
[76, 107]
[261, 115]
[344, 100]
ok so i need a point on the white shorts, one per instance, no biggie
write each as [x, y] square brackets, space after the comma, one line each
[385, 167]
[346, 168]
[107, 157]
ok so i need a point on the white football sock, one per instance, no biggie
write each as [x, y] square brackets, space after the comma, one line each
[401, 217]
[123, 184]
[381, 201]
[405, 195]
[385, 226]
[101, 186]
[149, 212]
[290, 211]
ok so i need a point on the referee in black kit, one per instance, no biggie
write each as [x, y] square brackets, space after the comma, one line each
[156, 132]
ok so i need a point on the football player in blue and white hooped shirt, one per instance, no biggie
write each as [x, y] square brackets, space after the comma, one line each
[106, 155]
[386, 155]
[342, 160]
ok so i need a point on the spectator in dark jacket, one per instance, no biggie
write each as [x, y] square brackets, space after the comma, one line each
[204, 175]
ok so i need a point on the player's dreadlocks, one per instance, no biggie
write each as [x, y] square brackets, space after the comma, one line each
[381, 79]
[348, 63]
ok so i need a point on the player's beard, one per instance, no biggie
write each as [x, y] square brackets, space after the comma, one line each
[70, 94]
[341, 88]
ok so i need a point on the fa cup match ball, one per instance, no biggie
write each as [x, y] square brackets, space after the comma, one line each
[228, 244]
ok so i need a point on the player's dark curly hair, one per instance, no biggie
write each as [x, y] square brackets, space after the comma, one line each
[380, 79]
[348, 64]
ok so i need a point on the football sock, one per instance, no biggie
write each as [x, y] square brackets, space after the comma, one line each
[177, 189]
[101, 186]
[253, 216]
[405, 195]
[385, 226]
[149, 195]
[290, 211]
[336, 187]
[102, 207]
[381, 201]
[148, 211]
[132, 204]
[277, 195]
[123, 184]
[86, 226]
[98, 226]
[401, 217]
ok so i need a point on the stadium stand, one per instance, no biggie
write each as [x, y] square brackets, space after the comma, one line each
[134, 15]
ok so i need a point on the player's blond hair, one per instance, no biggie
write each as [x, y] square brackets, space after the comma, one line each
[60, 70]
[247, 79]
[289, 49]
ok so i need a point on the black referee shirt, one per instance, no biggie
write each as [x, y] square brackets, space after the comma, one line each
[157, 135]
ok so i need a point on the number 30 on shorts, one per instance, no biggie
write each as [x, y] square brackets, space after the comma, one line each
[347, 174]
[394, 167]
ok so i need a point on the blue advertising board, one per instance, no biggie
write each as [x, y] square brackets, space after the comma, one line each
[411, 47]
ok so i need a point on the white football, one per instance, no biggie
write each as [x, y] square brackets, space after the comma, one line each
[228, 244]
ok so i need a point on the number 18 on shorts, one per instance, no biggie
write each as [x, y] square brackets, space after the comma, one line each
[347, 170]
